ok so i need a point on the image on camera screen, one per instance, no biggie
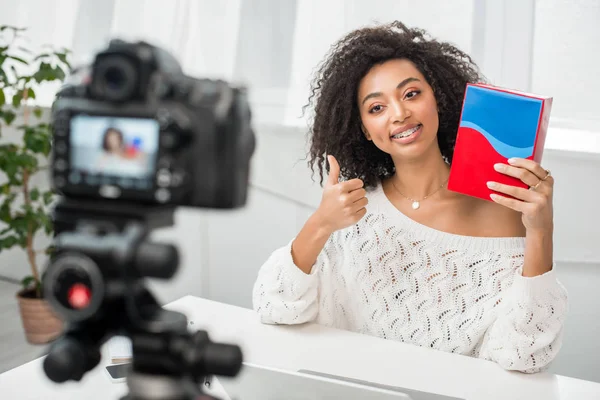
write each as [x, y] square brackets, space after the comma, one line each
[114, 147]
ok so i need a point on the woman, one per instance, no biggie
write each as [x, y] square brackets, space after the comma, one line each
[456, 273]
[117, 159]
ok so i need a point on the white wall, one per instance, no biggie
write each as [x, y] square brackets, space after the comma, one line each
[222, 251]
[580, 355]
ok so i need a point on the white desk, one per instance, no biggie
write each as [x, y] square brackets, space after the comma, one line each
[325, 350]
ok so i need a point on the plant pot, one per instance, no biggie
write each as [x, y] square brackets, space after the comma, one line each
[40, 323]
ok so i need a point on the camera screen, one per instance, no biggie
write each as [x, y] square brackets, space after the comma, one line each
[113, 150]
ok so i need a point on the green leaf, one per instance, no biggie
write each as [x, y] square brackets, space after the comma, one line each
[37, 112]
[22, 242]
[17, 98]
[45, 72]
[59, 73]
[5, 209]
[19, 59]
[24, 223]
[8, 242]
[28, 282]
[25, 79]
[9, 163]
[44, 220]
[40, 56]
[12, 28]
[63, 57]
[20, 224]
[48, 226]
[37, 139]
[48, 197]
[5, 189]
[34, 194]
[5, 151]
[8, 116]
[2, 98]
[30, 93]
[25, 160]
[15, 163]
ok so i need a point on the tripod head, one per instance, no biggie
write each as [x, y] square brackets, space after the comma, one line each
[95, 280]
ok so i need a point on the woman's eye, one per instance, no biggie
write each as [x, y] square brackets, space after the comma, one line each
[376, 108]
[412, 94]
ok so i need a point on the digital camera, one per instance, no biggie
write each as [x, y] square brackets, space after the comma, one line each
[134, 128]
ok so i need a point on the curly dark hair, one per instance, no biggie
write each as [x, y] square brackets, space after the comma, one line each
[336, 126]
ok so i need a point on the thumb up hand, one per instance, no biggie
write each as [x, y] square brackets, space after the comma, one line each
[334, 172]
[343, 203]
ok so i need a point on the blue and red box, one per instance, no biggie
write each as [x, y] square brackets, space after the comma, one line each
[496, 124]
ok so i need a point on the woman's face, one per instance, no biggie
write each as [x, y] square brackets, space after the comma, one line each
[114, 141]
[398, 110]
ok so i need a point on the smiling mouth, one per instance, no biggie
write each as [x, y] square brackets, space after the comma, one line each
[407, 132]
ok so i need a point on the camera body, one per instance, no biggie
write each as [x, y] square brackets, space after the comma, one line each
[133, 128]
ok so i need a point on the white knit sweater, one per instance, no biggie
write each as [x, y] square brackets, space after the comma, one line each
[392, 277]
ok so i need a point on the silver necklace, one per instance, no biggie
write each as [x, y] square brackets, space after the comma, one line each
[417, 203]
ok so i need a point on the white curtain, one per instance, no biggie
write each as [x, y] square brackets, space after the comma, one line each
[202, 34]
[47, 23]
[272, 46]
[320, 23]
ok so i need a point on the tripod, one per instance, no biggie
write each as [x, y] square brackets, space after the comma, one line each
[94, 280]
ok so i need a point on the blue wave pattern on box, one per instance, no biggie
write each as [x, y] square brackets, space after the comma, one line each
[508, 121]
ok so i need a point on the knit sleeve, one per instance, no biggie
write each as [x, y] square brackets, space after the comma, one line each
[283, 293]
[528, 332]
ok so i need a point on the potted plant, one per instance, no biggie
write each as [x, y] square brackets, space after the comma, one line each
[25, 142]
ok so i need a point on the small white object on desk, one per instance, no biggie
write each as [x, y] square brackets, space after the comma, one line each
[119, 350]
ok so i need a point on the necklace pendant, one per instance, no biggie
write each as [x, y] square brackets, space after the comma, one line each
[416, 205]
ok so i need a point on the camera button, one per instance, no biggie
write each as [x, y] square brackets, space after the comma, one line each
[59, 181]
[162, 195]
[164, 162]
[163, 177]
[60, 165]
[177, 178]
[60, 148]
[60, 131]
[109, 191]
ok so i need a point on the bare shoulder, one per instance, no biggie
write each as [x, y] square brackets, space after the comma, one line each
[495, 220]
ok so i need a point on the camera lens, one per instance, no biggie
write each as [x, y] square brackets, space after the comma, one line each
[74, 286]
[115, 79]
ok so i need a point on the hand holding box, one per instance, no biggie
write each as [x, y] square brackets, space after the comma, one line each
[496, 124]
